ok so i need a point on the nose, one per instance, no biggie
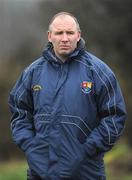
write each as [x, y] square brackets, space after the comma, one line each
[64, 37]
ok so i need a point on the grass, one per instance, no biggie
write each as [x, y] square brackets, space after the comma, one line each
[119, 163]
[118, 166]
[15, 170]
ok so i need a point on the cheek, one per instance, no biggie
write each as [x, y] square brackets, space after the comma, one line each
[74, 43]
[55, 41]
[55, 45]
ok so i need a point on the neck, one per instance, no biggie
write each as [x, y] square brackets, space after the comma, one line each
[61, 58]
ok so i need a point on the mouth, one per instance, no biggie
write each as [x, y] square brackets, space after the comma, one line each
[65, 47]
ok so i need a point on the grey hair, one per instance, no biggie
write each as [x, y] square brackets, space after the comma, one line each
[64, 14]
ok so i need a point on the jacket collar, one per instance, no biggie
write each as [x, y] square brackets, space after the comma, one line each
[48, 52]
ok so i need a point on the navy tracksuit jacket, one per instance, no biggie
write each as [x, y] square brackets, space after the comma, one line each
[66, 115]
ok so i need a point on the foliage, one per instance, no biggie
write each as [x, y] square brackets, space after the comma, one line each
[119, 162]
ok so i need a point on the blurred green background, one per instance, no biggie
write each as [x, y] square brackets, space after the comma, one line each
[107, 29]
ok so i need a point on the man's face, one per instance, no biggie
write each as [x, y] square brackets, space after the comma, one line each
[64, 36]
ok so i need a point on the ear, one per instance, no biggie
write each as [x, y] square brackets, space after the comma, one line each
[79, 36]
[49, 36]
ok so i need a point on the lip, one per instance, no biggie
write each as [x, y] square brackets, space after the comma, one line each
[64, 47]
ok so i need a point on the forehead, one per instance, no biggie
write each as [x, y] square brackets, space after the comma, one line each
[64, 23]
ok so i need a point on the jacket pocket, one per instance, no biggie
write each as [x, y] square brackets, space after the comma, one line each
[71, 158]
[37, 156]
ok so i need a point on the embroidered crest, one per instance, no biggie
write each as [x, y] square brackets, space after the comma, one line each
[87, 86]
[36, 87]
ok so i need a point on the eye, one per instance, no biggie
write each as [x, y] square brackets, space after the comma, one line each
[58, 33]
[70, 32]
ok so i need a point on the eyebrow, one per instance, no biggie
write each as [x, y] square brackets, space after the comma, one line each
[61, 31]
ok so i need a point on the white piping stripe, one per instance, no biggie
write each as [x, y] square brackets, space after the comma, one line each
[107, 129]
[18, 105]
[42, 115]
[113, 97]
[77, 117]
[108, 94]
[65, 115]
[63, 122]
[46, 122]
[108, 132]
[20, 86]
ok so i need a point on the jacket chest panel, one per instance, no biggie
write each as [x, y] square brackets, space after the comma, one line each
[47, 85]
[63, 88]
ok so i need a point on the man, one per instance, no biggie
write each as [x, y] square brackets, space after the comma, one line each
[67, 108]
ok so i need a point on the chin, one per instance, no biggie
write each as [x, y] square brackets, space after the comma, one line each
[65, 52]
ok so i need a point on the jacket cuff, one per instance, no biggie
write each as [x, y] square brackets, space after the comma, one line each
[26, 144]
[90, 148]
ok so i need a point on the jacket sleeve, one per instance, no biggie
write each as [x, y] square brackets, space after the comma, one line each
[21, 106]
[111, 111]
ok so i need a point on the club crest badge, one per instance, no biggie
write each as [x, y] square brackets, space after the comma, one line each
[87, 86]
